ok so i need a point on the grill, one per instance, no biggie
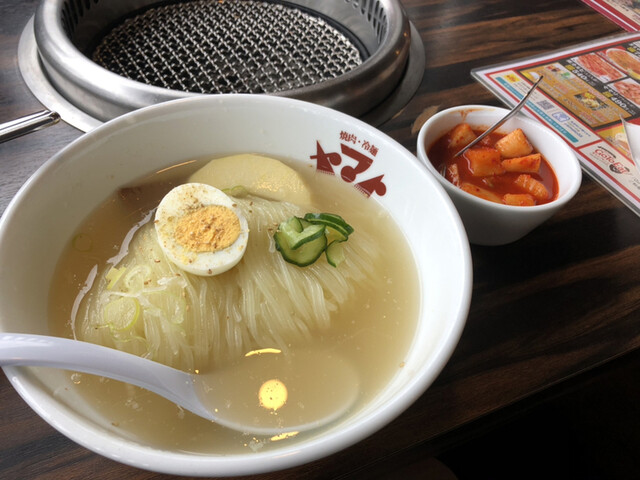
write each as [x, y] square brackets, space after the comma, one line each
[227, 47]
[93, 60]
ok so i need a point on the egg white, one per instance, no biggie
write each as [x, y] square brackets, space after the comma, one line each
[181, 201]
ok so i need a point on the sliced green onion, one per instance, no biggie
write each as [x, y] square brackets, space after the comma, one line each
[121, 314]
[239, 191]
[113, 275]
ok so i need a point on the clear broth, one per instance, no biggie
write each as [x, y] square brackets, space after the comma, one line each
[373, 331]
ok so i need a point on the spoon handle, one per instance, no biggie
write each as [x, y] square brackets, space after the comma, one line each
[515, 110]
[17, 349]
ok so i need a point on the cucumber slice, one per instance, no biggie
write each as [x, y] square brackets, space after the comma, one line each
[336, 222]
[334, 235]
[305, 254]
[335, 253]
[301, 241]
[297, 234]
[304, 223]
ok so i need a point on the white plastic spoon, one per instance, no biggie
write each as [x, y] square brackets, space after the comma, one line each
[266, 392]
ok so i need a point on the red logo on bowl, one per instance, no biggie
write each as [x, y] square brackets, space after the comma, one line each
[356, 163]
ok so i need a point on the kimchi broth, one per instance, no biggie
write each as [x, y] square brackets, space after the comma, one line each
[503, 167]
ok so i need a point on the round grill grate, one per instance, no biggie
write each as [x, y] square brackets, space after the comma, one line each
[209, 47]
[99, 59]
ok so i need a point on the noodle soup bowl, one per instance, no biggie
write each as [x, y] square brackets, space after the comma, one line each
[73, 183]
[490, 223]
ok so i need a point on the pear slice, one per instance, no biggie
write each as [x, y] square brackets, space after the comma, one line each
[259, 175]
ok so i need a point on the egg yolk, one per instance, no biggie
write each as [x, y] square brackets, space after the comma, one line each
[208, 229]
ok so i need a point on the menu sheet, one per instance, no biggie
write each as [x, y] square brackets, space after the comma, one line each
[625, 13]
[586, 91]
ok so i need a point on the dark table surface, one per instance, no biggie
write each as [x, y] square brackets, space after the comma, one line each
[546, 310]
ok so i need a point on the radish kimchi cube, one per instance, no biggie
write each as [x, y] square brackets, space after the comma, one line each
[514, 144]
[480, 192]
[526, 164]
[532, 186]
[453, 174]
[518, 199]
[460, 136]
[484, 161]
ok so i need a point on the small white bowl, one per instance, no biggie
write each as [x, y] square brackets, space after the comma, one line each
[489, 223]
[41, 218]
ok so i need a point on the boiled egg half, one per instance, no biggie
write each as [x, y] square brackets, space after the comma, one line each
[200, 229]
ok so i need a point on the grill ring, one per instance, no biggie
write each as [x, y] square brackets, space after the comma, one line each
[67, 32]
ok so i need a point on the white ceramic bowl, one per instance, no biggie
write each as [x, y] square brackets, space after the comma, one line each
[489, 223]
[52, 203]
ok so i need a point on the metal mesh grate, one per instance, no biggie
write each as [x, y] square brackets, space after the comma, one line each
[212, 46]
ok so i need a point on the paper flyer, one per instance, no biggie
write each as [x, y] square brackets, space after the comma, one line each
[586, 92]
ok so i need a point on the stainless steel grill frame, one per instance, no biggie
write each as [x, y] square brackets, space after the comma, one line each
[66, 31]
